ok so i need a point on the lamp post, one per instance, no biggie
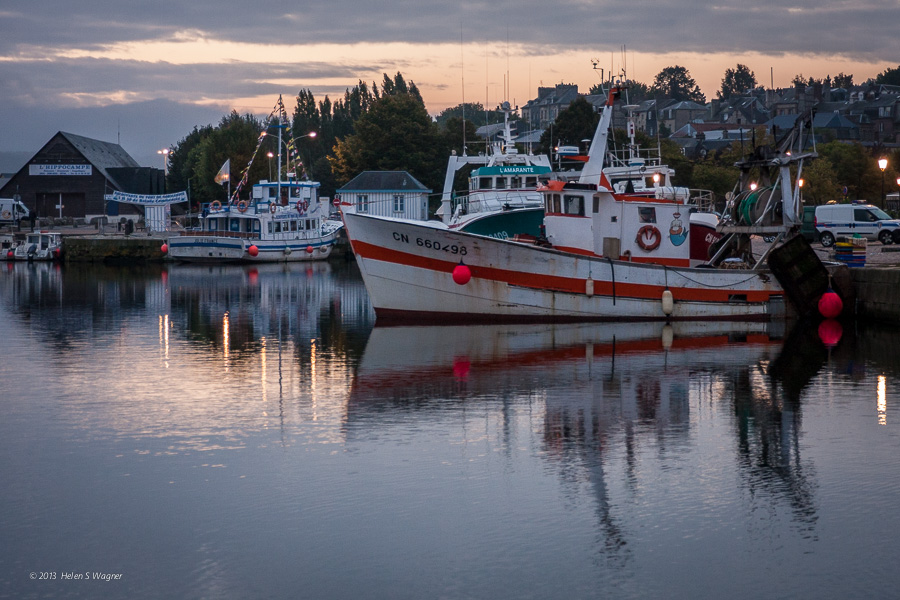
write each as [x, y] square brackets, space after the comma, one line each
[882, 164]
[165, 154]
[800, 185]
[270, 155]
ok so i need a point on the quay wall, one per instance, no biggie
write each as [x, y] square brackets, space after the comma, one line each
[112, 249]
[877, 291]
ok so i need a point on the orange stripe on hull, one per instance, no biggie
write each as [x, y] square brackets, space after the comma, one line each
[557, 283]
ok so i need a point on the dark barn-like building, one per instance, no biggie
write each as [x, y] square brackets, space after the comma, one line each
[78, 172]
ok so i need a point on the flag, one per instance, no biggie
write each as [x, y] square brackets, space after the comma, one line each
[224, 173]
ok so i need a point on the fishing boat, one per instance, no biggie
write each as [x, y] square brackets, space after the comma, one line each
[39, 245]
[281, 221]
[503, 198]
[604, 256]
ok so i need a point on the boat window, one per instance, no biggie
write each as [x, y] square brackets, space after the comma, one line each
[255, 226]
[234, 225]
[574, 205]
[362, 203]
[293, 225]
[270, 227]
[272, 192]
[515, 182]
[501, 183]
[596, 204]
[556, 205]
[484, 183]
[647, 214]
[531, 182]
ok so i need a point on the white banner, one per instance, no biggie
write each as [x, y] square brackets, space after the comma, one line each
[146, 199]
[60, 169]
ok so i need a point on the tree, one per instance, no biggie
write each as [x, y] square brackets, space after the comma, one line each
[676, 83]
[575, 123]
[737, 81]
[820, 183]
[889, 76]
[854, 168]
[395, 134]
[471, 111]
[843, 81]
[183, 160]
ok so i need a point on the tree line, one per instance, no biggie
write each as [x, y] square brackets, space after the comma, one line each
[387, 127]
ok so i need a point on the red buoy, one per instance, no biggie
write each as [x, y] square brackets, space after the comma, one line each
[253, 250]
[830, 305]
[461, 274]
[11, 254]
[309, 249]
[830, 332]
[164, 248]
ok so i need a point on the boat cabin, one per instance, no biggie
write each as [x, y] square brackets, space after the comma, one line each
[588, 219]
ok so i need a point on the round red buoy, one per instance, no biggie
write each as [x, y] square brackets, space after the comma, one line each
[830, 305]
[11, 254]
[461, 274]
[830, 332]
[309, 249]
[164, 248]
[461, 368]
[253, 250]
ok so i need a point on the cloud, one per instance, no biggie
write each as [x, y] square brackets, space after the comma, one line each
[164, 67]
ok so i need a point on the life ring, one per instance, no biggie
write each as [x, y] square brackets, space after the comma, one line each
[215, 205]
[242, 205]
[272, 208]
[648, 238]
[302, 205]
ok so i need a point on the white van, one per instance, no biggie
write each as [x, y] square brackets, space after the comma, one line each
[12, 210]
[863, 220]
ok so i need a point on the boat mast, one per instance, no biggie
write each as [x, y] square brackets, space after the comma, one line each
[280, 126]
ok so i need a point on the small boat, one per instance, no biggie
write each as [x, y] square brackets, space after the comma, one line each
[39, 245]
[605, 255]
[281, 221]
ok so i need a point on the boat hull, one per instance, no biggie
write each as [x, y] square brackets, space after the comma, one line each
[215, 249]
[408, 271]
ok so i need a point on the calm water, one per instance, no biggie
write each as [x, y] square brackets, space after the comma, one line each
[247, 432]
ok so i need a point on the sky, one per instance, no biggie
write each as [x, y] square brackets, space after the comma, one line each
[144, 74]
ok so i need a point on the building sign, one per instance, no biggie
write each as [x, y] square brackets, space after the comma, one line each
[60, 170]
[148, 199]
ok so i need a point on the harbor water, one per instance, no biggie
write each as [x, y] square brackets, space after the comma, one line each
[250, 432]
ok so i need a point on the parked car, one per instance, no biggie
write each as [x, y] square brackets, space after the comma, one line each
[808, 224]
[855, 220]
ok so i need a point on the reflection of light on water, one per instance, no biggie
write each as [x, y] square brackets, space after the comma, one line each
[226, 337]
[262, 372]
[164, 337]
[882, 400]
[312, 379]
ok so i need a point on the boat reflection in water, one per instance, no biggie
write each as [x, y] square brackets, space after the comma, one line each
[612, 404]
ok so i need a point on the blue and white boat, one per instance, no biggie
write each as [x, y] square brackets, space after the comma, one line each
[282, 222]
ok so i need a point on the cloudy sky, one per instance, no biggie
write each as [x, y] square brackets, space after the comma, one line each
[145, 73]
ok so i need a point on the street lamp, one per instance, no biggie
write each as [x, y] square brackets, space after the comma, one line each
[800, 184]
[165, 154]
[882, 164]
[270, 155]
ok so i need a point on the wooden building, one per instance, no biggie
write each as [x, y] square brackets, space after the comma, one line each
[71, 176]
[386, 194]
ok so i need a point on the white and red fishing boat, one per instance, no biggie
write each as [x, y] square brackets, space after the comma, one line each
[604, 256]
